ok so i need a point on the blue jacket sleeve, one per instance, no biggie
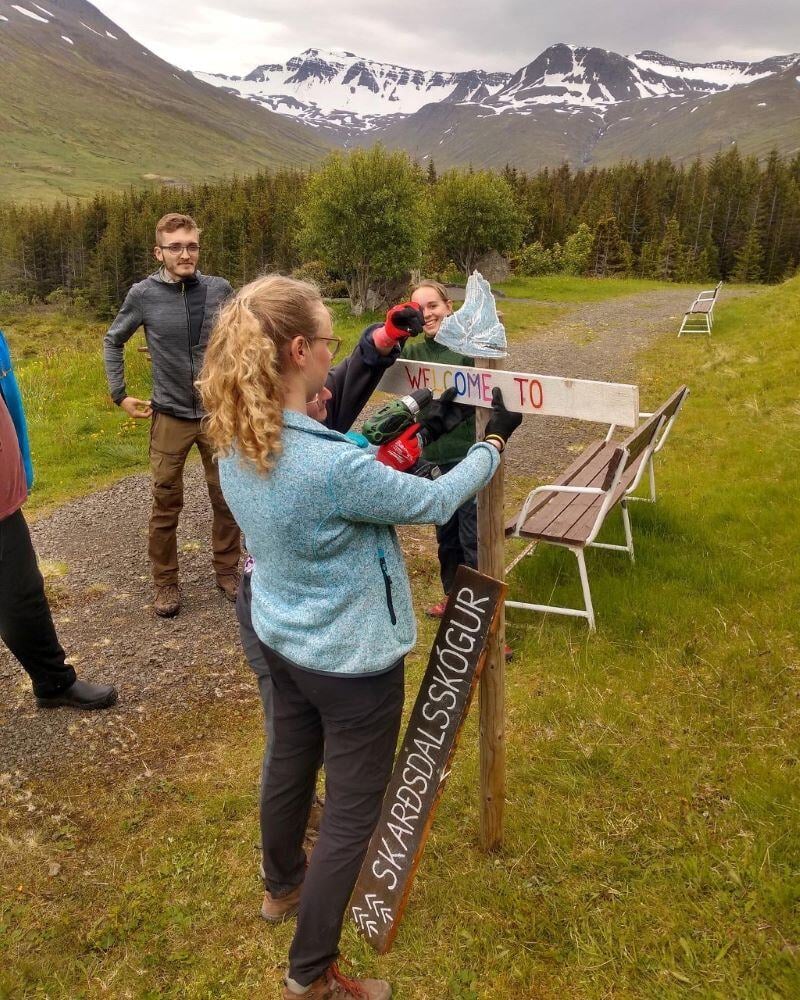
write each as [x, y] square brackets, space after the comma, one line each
[364, 489]
[13, 400]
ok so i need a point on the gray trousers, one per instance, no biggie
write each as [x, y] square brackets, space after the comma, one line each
[255, 657]
[253, 650]
[356, 719]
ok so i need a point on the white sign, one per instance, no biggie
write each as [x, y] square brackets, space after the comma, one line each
[548, 395]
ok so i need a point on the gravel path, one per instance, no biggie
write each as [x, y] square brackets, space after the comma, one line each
[597, 340]
[102, 599]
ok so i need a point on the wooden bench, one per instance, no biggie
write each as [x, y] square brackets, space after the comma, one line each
[699, 318]
[571, 512]
[671, 409]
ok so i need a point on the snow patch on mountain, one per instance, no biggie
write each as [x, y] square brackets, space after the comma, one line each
[320, 85]
[337, 89]
[30, 13]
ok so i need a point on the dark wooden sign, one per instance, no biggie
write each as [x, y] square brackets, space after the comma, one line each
[423, 764]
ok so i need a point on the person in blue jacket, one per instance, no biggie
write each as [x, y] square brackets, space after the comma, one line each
[331, 600]
[26, 625]
[348, 387]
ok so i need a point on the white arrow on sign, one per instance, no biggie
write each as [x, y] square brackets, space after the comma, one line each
[548, 395]
[364, 921]
[378, 907]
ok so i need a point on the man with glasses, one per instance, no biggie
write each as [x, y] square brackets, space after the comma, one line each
[177, 306]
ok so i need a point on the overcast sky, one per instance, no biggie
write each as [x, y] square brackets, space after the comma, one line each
[454, 34]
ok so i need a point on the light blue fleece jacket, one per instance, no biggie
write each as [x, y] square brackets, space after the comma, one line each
[330, 589]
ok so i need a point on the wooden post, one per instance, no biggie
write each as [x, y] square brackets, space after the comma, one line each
[491, 534]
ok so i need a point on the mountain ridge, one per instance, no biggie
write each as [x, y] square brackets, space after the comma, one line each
[341, 89]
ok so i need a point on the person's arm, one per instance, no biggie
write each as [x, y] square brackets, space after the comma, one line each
[126, 323]
[353, 381]
[366, 490]
[9, 390]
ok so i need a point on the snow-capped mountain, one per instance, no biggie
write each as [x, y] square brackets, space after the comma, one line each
[349, 94]
[340, 89]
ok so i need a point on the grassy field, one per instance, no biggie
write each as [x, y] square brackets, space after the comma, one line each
[653, 843]
[564, 288]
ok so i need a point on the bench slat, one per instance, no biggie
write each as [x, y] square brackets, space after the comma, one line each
[561, 510]
[579, 463]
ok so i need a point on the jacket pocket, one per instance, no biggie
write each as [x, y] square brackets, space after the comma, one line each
[387, 582]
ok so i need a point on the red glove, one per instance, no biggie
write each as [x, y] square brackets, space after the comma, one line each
[403, 452]
[403, 321]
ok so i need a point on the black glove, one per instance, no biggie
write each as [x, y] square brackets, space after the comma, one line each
[502, 422]
[443, 415]
[405, 320]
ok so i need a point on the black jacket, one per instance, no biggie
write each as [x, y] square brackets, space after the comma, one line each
[353, 381]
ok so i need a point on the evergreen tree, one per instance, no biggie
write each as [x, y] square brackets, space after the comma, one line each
[669, 264]
[611, 254]
[749, 258]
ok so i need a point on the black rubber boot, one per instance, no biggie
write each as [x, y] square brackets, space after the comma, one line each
[81, 694]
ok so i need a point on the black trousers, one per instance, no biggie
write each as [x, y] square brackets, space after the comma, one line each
[356, 720]
[26, 625]
[458, 540]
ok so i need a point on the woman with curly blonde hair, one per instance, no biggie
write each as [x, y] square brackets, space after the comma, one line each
[331, 601]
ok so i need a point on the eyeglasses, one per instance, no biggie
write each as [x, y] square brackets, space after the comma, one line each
[176, 248]
[335, 342]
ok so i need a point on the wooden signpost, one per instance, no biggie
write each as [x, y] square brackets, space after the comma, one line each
[474, 609]
[546, 395]
[396, 847]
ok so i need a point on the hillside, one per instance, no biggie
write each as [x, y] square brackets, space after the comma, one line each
[83, 106]
[757, 117]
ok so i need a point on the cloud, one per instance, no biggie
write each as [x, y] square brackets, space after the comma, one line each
[504, 35]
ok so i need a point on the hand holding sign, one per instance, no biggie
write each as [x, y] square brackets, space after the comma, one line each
[502, 423]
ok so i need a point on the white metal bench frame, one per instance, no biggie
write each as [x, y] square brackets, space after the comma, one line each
[587, 611]
[661, 436]
[701, 320]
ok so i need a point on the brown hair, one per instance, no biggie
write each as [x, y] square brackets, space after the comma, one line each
[174, 220]
[437, 286]
[240, 384]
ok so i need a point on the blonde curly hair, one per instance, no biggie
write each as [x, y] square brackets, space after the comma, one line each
[240, 384]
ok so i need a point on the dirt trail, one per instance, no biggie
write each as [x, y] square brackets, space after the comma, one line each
[102, 601]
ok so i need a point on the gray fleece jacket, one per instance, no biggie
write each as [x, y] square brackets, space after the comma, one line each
[177, 318]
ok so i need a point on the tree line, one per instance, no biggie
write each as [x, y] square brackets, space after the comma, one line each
[363, 219]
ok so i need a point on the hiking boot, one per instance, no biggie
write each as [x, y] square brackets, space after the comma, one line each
[168, 601]
[437, 610]
[332, 985]
[229, 585]
[277, 909]
[81, 694]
